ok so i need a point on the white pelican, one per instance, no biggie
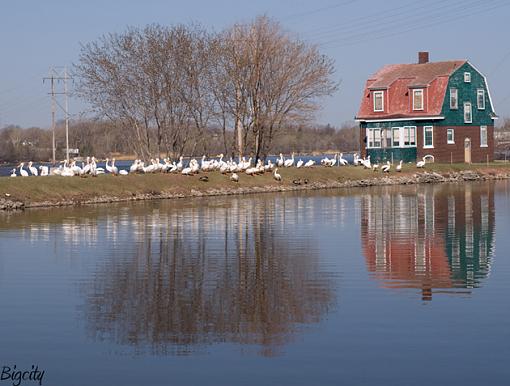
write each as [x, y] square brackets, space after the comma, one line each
[134, 166]
[280, 161]
[366, 163]
[123, 172]
[289, 162]
[309, 163]
[269, 166]
[299, 163]
[386, 168]
[23, 172]
[32, 169]
[342, 161]
[277, 176]
[112, 168]
[180, 165]
[234, 177]
[399, 166]
[13, 173]
[44, 170]
[187, 171]
[375, 167]
[421, 164]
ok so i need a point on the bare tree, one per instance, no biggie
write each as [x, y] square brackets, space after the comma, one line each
[167, 85]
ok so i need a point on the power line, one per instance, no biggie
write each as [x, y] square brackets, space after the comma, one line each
[387, 32]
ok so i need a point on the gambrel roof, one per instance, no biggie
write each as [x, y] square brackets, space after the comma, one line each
[398, 79]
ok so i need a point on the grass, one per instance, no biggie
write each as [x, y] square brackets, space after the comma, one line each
[56, 189]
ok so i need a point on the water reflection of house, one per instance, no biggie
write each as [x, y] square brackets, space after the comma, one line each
[435, 238]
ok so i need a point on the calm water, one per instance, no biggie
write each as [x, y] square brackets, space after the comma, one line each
[383, 286]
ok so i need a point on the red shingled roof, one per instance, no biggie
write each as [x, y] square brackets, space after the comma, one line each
[397, 79]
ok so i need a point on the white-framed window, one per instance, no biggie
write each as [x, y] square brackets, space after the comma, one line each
[409, 136]
[386, 137]
[483, 136]
[418, 99]
[480, 99]
[428, 137]
[396, 136]
[373, 138]
[468, 116]
[467, 77]
[378, 100]
[454, 100]
[450, 136]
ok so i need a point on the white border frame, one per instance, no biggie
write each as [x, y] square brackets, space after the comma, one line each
[424, 130]
[456, 98]
[470, 112]
[422, 99]
[453, 136]
[478, 91]
[486, 136]
[382, 103]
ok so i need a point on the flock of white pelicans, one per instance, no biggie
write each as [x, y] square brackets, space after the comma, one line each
[70, 169]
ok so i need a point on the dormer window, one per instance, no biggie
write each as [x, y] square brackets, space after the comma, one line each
[378, 100]
[467, 77]
[418, 99]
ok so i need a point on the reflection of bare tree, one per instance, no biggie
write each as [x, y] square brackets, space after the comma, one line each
[201, 275]
[432, 237]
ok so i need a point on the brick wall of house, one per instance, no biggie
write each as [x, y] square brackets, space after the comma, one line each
[444, 152]
[362, 144]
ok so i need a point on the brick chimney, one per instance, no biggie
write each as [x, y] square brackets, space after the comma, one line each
[423, 57]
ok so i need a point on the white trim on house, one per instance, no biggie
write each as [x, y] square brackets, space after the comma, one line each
[480, 91]
[381, 92]
[452, 142]
[456, 107]
[424, 131]
[399, 119]
[415, 90]
[467, 77]
[486, 136]
[487, 87]
[470, 112]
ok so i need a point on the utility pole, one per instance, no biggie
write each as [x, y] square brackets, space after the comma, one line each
[55, 76]
[67, 113]
[52, 76]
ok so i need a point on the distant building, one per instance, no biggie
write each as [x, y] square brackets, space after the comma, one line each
[442, 109]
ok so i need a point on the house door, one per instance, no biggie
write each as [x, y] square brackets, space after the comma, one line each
[467, 150]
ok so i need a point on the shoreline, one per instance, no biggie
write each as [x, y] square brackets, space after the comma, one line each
[221, 185]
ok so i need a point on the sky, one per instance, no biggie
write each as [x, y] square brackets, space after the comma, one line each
[360, 35]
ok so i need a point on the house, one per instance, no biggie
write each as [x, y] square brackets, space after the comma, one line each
[443, 109]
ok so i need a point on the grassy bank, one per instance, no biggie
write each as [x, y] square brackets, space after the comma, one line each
[55, 190]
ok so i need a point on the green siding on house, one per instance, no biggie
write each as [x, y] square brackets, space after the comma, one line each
[466, 93]
[406, 154]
